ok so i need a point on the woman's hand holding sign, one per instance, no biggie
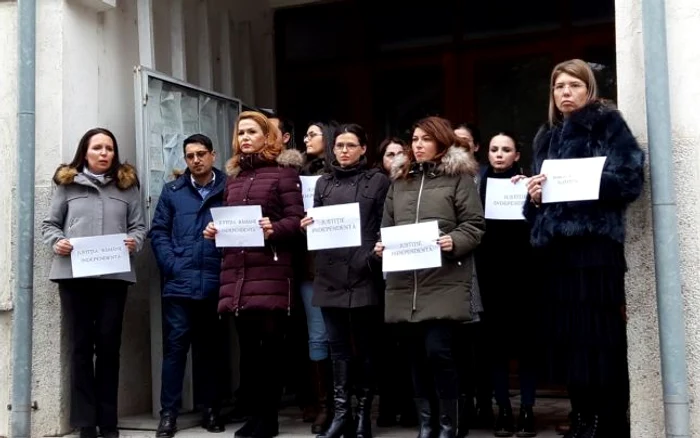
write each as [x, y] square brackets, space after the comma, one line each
[266, 226]
[63, 247]
[306, 221]
[130, 244]
[445, 242]
[534, 188]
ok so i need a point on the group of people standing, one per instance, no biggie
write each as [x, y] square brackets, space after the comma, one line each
[548, 290]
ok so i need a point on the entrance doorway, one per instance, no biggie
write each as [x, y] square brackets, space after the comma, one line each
[385, 66]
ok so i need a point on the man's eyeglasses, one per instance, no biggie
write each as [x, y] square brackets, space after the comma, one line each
[199, 154]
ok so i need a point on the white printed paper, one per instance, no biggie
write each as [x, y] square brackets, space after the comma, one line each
[335, 226]
[575, 179]
[238, 227]
[308, 187]
[504, 200]
[99, 255]
[411, 247]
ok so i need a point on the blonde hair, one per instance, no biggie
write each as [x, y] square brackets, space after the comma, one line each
[578, 69]
[273, 143]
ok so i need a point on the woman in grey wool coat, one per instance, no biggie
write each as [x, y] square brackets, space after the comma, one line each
[95, 195]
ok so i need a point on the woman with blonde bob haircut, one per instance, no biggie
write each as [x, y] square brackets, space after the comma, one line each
[257, 282]
[580, 253]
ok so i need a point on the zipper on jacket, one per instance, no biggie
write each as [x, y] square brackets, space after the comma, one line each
[289, 297]
[274, 252]
[415, 272]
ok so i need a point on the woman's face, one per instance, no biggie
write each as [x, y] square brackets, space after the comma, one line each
[250, 136]
[424, 146]
[100, 153]
[466, 135]
[348, 150]
[502, 153]
[314, 141]
[570, 93]
[392, 150]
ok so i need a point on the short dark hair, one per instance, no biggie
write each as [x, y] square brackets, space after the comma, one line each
[80, 162]
[352, 128]
[198, 138]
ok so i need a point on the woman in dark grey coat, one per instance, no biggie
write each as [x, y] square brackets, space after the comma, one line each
[346, 283]
[95, 195]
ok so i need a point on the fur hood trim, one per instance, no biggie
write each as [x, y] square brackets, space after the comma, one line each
[288, 158]
[126, 176]
[456, 161]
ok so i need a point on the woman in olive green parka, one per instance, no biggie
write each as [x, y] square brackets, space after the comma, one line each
[434, 181]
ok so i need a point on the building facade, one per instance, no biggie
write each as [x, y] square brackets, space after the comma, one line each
[86, 54]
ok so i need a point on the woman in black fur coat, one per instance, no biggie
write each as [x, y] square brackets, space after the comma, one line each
[580, 246]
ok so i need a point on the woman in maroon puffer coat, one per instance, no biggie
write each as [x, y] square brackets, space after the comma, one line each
[256, 283]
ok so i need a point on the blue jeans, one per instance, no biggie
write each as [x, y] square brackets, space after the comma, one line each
[318, 337]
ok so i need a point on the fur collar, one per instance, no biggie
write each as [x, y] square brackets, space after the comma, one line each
[588, 115]
[126, 176]
[456, 161]
[288, 158]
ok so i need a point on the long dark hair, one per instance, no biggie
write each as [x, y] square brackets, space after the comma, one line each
[328, 129]
[80, 162]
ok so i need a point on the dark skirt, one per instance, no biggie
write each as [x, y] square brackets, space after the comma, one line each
[582, 312]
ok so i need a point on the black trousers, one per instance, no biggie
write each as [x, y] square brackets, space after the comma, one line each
[434, 368]
[261, 336]
[351, 337]
[473, 353]
[186, 323]
[95, 311]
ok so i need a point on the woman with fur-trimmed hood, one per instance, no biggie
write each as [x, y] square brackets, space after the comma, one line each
[95, 195]
[434, 181]
[257, 283]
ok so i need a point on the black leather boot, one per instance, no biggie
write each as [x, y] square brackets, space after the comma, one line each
[466, 413]
[426, 421]
[321, 380]
[342, 424]
[578, 425]
[505, 425]
[249, 426]
[211, 421]
[526, 423]
[364, 413]
[448, 418]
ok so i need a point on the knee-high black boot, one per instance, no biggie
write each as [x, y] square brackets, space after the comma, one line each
[448, 418]
[426, 419]
[342, 424]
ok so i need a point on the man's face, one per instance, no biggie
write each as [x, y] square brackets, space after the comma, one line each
[199, 160]
[285, 135]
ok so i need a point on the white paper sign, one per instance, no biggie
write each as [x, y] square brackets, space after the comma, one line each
[575, 179]
[410, 247]
[99, 255]
[335, 226]
[238, 227]
[504, 200]
[308, 187]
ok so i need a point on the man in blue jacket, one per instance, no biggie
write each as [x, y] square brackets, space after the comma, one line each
[190, 267]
